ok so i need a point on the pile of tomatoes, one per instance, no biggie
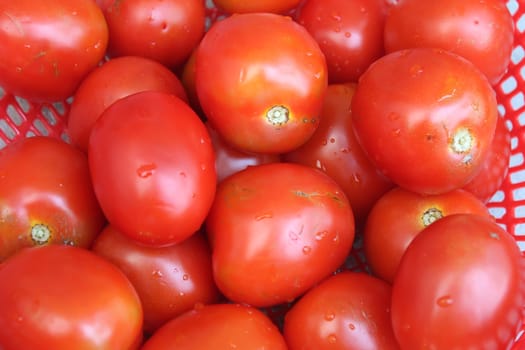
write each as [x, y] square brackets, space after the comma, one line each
[218, 175]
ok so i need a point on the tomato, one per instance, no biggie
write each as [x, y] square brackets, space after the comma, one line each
[349, 32]
[334, 149]
[399, 215]
[347, 311]
[116, 78]
[48, 47]
[218, 326]
[459, 286]
[188, 81]
[153, 167]
[480, 31]
[264, 90]
[47, 196]
[169, 280]
[275, 231]
[164, 30]
[68, 298]
[495, 167]
[229, 160]
[240, 6]
[426, 118]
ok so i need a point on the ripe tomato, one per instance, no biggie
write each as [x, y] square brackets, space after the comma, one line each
[188, 81]
[241, 6]
[276, 230]
[218, 326]
[169, 280]
[334, 149]
[426, 118]
[459, 286]
[348, 311]
[495, 167]
[164, 30]
[116, 78]
[46, 196]
[349, 32]
[48, 47]
[229, 160]
[153, 167]
[263, 91]
[480, 31]
[62, 297]
[399, 215]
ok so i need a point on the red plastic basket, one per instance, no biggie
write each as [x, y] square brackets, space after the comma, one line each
[21, 118]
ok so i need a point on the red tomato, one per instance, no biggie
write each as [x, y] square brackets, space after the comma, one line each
[334, 149]
[399, 215]
[480, 31]
[169, 280]
[188, 81]
[264, 90]
[49, 46]
[68, 298]
[164, 30]
[348, 311]
[242, 6]
[276, 230]
[113, 80]
[47, 196]
[426, 118]
[219, 326]
[349, 32]
[229, 160]
[495, 167]
[459, 286]
[153, 167]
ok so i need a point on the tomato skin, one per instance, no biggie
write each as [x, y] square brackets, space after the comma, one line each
[46, 187]
[334, 149]
[349, 32]
[69, 297]
[116, 78]
[218, 326]
[426, 118]
[48, 47]
[495, 167]
[169, 280]
[400, 215]
[229, 160]
[270, 221]
[272, 6]
[480, 31]
[445, 296]
[164, 30]
[154, 175]
[263, 95]
[347, 311]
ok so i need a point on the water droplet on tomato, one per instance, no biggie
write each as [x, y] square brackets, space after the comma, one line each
[329, 316]
[185, 277]
[336, 239]
[348, 34]
[332, 339]
[351, 326]
[146, 170]
[445, 301]
[307, 250]
[157, 274]
[332, 140]
[182, 174]
[416, 70]
[263, 216]
[319, 236]
[309, 53]
[203, 167]
[356, 178]
[336, 17]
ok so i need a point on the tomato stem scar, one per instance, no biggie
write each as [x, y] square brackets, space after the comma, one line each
[40, 234]
[462, 141]
[277, 115]
[431, 215]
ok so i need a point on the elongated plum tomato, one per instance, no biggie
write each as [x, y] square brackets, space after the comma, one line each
[426, 118]
[218, 326]
[153, 167]
[459, 286]
[48, 47]
[348, 311]
[276, 230]
[46, 197]
[68, 298]
[334, 149]
[263, 91]
[169, 280]
[116, 78]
